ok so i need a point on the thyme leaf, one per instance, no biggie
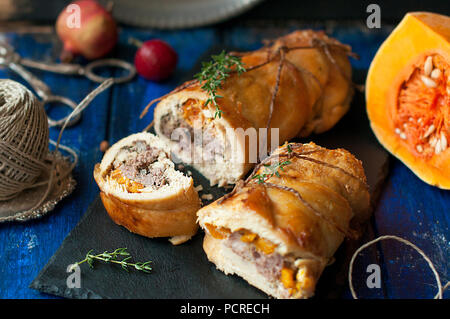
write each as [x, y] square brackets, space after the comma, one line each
[214, 73]
[270, 170]
[119, 256]
[289, 148]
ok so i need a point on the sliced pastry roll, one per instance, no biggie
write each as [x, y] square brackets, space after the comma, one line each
[142, 191]
[299, 84]
[280, 228]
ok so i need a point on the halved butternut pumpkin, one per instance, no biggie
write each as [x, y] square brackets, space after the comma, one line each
[408, 95]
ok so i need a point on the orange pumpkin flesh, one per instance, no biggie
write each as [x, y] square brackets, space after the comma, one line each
[408, 95]
[131, 186]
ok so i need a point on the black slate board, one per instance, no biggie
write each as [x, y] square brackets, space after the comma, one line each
[183, 271]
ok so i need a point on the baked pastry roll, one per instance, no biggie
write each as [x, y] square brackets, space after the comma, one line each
[299, 84]
[280, 228]
[142, 191]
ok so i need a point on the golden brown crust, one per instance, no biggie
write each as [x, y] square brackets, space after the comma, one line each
[246, 98]
[313, 82]
[314, 90]
[315, 197]
[164, 214]
[151, 222]
[306, 210]
[306, 75]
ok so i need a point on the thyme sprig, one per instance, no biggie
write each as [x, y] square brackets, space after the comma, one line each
[270, 170]
[214, 73]
[289, 148]
[115, 258]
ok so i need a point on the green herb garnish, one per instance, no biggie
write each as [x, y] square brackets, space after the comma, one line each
[214, 73]
[114, 257]
[289, 149]
[270, 170]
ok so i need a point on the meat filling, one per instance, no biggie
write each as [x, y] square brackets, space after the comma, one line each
[134, 162]
[268, 265]
[203, 141]
[168, 125]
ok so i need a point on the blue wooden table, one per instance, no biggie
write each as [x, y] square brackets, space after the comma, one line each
[407, 207]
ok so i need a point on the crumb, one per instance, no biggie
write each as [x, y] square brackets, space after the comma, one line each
[104, 145]
[176, 240]
[189, 173]
[199, 188]
[207, 196]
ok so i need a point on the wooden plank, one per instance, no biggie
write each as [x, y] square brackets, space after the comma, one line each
[419, 213]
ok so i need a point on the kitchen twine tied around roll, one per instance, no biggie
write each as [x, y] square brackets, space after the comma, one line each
[24, 141]
[441, 288]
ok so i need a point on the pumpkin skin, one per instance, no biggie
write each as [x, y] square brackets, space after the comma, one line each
[418, 36]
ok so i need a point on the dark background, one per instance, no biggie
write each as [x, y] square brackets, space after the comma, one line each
[391, 10]
[45, 11]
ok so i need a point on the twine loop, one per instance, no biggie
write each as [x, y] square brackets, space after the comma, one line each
[441, 288]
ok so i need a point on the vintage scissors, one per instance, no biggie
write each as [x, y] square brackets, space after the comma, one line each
[12, 60]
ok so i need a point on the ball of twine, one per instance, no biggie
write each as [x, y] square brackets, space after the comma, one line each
[24, 138]
[24, 141]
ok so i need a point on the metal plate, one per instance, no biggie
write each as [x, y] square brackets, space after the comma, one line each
[173, 14]
[20, 208]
